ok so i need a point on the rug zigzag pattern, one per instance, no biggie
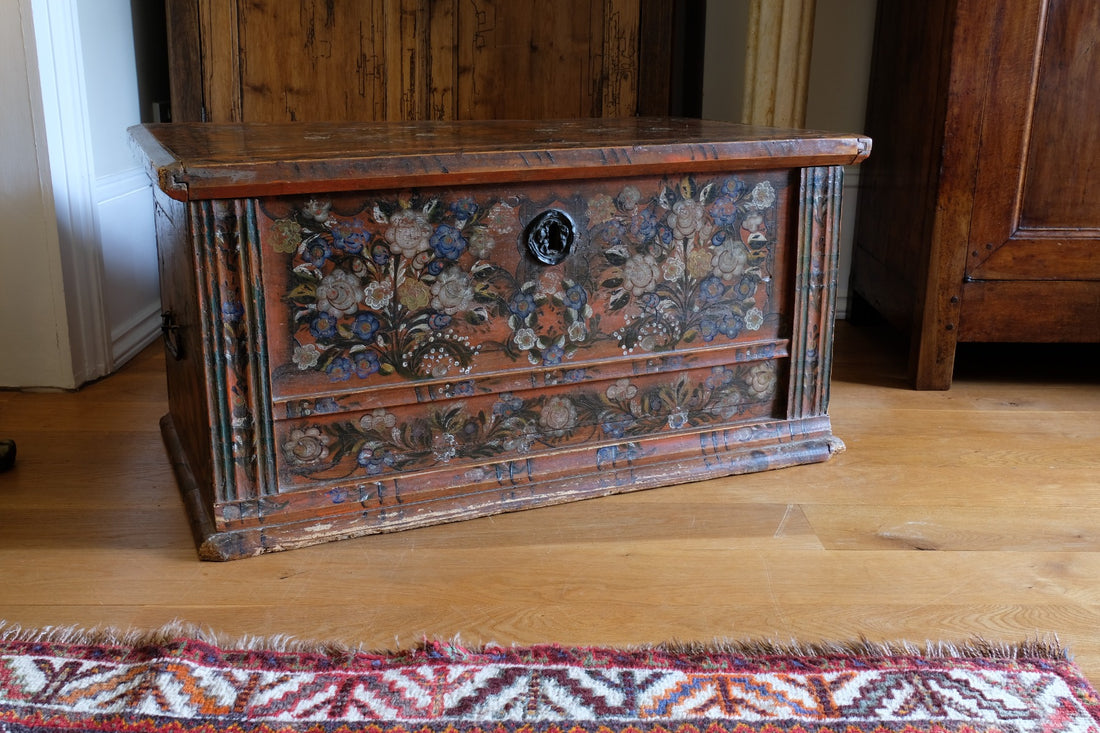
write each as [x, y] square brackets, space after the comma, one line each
[192, 685]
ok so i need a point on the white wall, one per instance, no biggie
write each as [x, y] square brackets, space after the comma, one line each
[34, 333]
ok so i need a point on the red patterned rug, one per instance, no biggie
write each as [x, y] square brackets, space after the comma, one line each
[58, 680]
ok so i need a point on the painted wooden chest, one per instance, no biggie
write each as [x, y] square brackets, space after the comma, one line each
[373, 327]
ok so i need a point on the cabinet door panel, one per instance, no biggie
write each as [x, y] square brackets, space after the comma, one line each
[1036, 214]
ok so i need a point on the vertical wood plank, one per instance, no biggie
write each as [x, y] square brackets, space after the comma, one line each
[221, 60]
[184, 59]
[616, 94]
[443, 59]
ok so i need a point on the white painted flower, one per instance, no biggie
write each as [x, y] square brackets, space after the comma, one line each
[622, 390]
[762, 380]
[762, 196]
[338, 293]
[452, 292]
[730, 260]
[306, 446]
[628, 198]
[673, 268]
[687, 218]
[678, 418]
[558, 416]
[306, 356]
[481, 243]
[409, 233]
[754, 319]
[549, 283]
[378, 294]
[444, 447]
[317, 210]
[578, 331]
[640, 274]
[525, 339]
[378, 420]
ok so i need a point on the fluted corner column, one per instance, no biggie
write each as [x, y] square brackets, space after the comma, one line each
[777, 62]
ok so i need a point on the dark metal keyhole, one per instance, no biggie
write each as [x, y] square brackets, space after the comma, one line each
[550, 236]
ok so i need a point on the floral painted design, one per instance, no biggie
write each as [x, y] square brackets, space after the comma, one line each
[379, 442]
[422, 285]
[688, 266]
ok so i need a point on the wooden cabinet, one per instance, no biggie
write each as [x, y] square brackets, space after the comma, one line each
[979, 218]
[379, 326]
[310, 60]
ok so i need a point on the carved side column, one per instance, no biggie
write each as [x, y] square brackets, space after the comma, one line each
[777, 62]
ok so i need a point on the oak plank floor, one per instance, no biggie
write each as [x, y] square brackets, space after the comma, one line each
[972, 512]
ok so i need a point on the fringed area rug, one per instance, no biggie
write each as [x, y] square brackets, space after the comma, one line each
[171, 682]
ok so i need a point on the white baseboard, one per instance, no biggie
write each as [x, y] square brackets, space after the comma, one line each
[128, 339]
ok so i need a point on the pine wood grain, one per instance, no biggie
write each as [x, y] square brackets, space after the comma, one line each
[951, 514]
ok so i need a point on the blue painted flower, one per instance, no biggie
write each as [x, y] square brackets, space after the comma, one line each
[340, 370]
[746, 287]
[507, 405]
[651, 301]
[573, 375]
[708, 329]
[317, 252]
[435, 266]
[613, 232]
[439, 321]
[553, 355]
[366, 363]
[326, 405]
[232, 311]
[380, 253]
[711, 290]
[366, 326]
[354, 242]
[724, 211]
[616, 425]
[719, 238]
[731, 325]
[734, 188]
[522, 304]
[463, 389]
[575, 298]
[665, 235]
[644, 226]
[323, 326]
[448, 242]
[464, 208]
[375, 459]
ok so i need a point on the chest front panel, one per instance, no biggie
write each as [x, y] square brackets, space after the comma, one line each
[414, 331]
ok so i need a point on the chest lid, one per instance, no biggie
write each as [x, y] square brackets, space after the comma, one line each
[194, 161]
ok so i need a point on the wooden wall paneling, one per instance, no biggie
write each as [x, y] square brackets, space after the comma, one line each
[220, 49]
[615, 81]
[1050, 197]
[184, 58]
[443, 60]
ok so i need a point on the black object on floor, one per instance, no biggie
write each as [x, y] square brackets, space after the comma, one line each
[7, 454]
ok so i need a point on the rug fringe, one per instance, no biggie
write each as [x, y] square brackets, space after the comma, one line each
[1047, 647]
